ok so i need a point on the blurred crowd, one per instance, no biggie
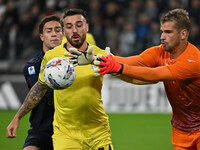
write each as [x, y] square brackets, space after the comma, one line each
[127, 26]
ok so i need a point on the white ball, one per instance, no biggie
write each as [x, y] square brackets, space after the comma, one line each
[59, 73]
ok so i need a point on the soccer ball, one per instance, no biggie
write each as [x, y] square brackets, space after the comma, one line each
[59, 73]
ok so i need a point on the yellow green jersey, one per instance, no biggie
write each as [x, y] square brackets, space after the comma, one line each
[79, 110]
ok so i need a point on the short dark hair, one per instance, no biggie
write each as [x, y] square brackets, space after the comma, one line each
[47, 19]
[74, 11]
[180, 16]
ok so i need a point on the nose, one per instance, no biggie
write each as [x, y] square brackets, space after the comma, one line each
[54, 33]
[74, 29]
[162, 36]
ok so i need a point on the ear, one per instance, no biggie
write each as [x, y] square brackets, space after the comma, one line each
[184, 34]
[42, 37]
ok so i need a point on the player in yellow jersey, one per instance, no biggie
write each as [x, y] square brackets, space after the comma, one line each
[80, 122]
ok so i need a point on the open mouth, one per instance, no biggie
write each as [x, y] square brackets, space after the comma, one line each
[75, 37]
[163, 44]
[54, 40]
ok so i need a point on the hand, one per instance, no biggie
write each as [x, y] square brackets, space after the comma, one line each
[80, 57]
[98, 57]
[12, 128]
[107, 64]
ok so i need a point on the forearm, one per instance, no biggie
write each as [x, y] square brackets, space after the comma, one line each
[134, 81]
[132, 60]
[161, 73]
[32, 99]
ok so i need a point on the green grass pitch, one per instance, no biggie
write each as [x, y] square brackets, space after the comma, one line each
[129, 131]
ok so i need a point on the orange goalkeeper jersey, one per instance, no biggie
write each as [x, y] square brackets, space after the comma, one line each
[181, 77]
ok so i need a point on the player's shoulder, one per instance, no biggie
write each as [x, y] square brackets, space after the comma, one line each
[90, 39]
[154, 51]
[33, 64]
[98, 50]
[192, 54]
[156, 48]
[31, 68]
[37, 58]
[192, 49]
[56, 51]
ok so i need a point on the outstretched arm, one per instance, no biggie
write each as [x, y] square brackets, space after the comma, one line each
[32, 99]
[109, 65]
[131, 60]
[134, 81]
[161, 73]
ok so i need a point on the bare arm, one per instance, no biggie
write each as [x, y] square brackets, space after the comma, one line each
[32, 99]
[134, 81]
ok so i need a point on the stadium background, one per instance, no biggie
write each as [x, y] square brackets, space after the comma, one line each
[139, 115]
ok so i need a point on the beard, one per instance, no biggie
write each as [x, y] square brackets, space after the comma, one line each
[76, 43]
[173, 46]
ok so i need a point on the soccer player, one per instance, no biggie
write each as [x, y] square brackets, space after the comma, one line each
[80, 122]
[176, 62]
[39, 136]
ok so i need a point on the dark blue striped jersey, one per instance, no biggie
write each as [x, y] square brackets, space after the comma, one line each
[42, 115]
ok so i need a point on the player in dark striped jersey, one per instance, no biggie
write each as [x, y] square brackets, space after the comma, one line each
[39, 135]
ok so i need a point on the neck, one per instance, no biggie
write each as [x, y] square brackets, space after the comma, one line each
[45, 49]
[178, 50]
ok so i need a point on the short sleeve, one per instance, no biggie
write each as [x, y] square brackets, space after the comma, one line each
[31, 75]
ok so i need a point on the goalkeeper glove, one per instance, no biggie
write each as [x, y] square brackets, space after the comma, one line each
[79, 57]
[107, 64]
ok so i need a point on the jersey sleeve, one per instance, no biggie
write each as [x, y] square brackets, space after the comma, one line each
[132, 60]
[185, 69]
[147, 66]
[161, 73]
[149, 58]
[30, 74]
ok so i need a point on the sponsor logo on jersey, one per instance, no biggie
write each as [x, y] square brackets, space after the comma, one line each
[31, 70]
[189, 60]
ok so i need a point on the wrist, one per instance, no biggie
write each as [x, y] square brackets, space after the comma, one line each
[121, 69]
[94, 58]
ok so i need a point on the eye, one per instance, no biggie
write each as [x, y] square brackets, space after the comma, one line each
[68, 26]
[80, 24]
[48, 31]
[58, 30]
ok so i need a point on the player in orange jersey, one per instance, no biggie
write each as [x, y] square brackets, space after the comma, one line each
[176, 62]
